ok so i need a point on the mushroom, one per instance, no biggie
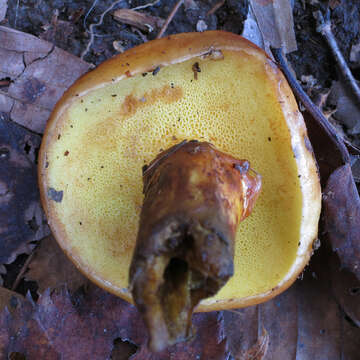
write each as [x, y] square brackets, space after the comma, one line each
[214, 87]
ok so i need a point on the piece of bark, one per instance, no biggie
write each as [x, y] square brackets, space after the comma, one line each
[195, 198]
[40, 74]
[138, 19]
[50, 268]
[21, 218]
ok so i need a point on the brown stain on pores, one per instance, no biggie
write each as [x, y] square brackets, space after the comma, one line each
[165, 94]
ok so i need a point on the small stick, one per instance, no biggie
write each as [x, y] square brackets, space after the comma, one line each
[22, 271]
[168, 20]
[324, 27]
[310, 106]
[215, 7]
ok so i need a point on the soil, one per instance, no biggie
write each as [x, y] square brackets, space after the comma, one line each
[66, 23]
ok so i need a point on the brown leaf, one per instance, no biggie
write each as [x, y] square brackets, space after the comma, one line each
[138, 19]
[346, 289]
[84, 326]
[50, 268]
[275, 20]
[57, 32]
[342, 217]
[347, 111]
[302, 323]
[319, 319]
[40, 74]
[21, 217]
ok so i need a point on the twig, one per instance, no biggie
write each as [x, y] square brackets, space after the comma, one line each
[310, 107]
[324, 27]
[215, 7]
[22, 271]
[92, 26]
[168, 20]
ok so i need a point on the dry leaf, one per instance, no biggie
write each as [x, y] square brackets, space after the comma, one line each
[50, 268]
[304, 323]
[275, 20]
[40, 74]
[138, 19]
[251, 30]
[342, 217]
[346, 289]
[21, 218]
[85, 325]
[57, 32]
[347, 110]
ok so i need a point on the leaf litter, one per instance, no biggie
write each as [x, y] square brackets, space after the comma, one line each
[19, 194]
[81, 326]
[318, 315]
[51, 268]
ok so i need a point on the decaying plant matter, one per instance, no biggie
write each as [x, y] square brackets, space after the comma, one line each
[195, 198]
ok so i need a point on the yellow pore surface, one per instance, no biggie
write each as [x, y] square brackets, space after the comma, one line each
[105, 137]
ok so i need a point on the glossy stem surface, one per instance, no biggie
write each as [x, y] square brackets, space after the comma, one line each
[194, 200]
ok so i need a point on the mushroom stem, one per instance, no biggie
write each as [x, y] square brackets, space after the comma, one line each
[195, 198]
